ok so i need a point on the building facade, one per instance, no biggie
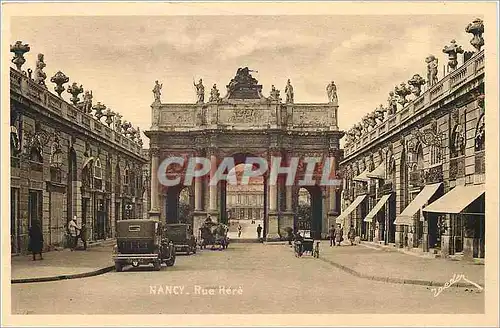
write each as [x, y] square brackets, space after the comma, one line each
[414, 171]
[65, 161]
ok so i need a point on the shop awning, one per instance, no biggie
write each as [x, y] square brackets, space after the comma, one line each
[378, 173]
[456, 200]
[350, 208]
[362, 177]
[377, 208]
[405, 218]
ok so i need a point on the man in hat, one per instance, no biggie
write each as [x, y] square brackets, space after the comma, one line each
[73, 232]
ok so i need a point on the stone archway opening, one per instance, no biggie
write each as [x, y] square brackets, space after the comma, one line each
[309, 210]
[179, 204]
[244, 203]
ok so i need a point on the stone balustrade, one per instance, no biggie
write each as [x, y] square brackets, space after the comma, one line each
[425, 103]
[23, 86]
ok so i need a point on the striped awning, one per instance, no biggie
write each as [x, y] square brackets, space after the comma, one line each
[378, 173]
[405, 218]
[350, 208]
[377, 208]
[362, 177]
[456, 200]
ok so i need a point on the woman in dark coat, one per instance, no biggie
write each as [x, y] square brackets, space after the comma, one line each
[36, 239]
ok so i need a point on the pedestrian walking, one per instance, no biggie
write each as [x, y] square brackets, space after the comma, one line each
[73, 232]
[83, 236]
[259, 231]
[35, 244]
[338, 234]
[331, 235]
[351, 234]
[239, 230]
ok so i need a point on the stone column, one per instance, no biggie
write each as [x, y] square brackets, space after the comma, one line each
[273, 225]
[425, 235]
[213, 208]
[289, 196]
[286, 219]
[198, 215]
[333, 210]
[446, 238]
[154, 212]
[399, 236]
[468, 239]
[198, 192]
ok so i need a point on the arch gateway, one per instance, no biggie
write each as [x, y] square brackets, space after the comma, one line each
[244, 124]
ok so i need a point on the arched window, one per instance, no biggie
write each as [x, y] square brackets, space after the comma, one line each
[126, 175]
[420, 157]
[118, 179]
[97, 169]
[108, 175]
[480, 134]
[457, 142]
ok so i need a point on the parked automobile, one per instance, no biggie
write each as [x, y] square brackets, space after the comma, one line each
[142, 242]
[181, 234]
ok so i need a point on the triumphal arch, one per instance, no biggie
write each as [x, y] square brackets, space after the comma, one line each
[245, 123]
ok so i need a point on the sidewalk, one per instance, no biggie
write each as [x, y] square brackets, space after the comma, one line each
[63, 264]
[397, 267]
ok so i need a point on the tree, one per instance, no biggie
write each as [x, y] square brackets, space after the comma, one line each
[304, 216]
[185, 213]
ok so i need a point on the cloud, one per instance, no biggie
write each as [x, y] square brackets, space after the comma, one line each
[262, 39]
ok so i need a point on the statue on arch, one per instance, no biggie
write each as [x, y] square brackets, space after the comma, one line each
[331, 91]
[274, 94]
[157, 91]
[214, 94]
[200, 91]
[289, 92]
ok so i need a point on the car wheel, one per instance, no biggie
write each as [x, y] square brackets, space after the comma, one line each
[118, 267]
[157, 265]
[171, 261]
[194, 249]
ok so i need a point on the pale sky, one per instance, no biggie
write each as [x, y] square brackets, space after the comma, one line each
[120, 57]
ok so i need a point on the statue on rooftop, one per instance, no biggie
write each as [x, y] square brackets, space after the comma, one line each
[200, 91]
[40, 75]
[432, 70]
[289, 92]
[393, 103]
[87, 101]
[331, 91]
[157, 91]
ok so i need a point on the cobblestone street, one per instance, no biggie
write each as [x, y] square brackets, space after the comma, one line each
[271, 278]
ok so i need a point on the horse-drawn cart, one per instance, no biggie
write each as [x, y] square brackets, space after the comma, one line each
[214, 235]
[304, 244]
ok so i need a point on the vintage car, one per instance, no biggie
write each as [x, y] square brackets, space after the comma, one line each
[140, 242]
[181, 234]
